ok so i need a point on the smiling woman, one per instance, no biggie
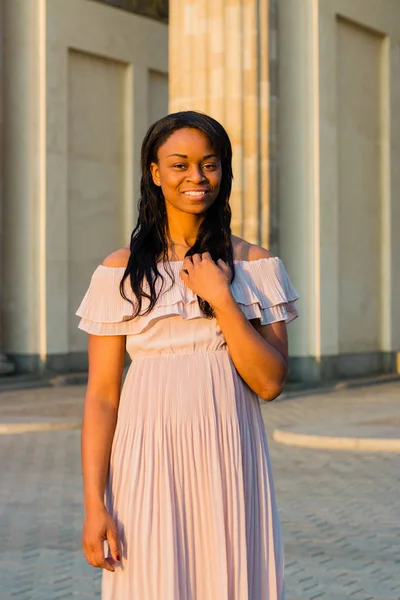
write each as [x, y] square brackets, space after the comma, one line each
[181, 453]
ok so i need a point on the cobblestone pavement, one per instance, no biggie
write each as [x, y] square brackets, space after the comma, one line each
[339, 509]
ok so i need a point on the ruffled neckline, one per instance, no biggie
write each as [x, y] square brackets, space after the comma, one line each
[180, 262]
[261, 287]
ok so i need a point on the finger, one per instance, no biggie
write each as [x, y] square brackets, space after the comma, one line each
[93, 559]
[196, 259]
[222, 265]
[108, 565]
[206, 256]
[188, 265]
[99, 560]
[113, 543]
[88, 552]
[110, 562]
[225, 268]
[88, 555]
[184, 275]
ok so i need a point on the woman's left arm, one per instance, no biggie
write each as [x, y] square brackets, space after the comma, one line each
[259, 352]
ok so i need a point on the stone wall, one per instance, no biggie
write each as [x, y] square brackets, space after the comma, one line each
[81, 84]
[339, 209]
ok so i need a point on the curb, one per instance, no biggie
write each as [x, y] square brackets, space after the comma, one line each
[36, 426]
[336, 443]
[298, 390]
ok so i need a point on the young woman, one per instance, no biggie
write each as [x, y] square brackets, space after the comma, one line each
[181, 453]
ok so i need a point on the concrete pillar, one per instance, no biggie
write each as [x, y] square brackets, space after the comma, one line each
[6, 366]
[273, 157]
[23, 194]
[299, 176]
[219, 65]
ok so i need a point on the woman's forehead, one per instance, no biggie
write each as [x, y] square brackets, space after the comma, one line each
[187, 142]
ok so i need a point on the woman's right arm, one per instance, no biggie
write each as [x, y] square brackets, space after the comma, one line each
[106, 363]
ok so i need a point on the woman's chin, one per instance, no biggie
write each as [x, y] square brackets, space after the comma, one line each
[194, 208]
[201, 205]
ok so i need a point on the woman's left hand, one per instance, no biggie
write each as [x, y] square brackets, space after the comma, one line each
[207, 279]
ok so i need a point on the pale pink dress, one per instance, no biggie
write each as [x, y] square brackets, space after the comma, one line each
[190, 482]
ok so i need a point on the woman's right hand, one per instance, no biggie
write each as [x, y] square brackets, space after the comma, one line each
[99, 527]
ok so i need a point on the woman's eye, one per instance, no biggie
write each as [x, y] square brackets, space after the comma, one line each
[179, 166]
[210, 166]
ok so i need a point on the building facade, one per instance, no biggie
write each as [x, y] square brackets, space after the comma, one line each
[309, 91]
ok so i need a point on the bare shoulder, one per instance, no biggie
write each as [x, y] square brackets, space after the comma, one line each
[243, 250]
[119, 258]
[257, 252]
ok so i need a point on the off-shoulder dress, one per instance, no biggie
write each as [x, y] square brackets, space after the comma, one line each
[189, 482]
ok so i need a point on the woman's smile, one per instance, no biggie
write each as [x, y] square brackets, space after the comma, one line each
[197, 194]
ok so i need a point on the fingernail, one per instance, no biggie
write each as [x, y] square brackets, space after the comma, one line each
[118, 557]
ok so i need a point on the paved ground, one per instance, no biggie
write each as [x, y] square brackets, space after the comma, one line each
[340, 509]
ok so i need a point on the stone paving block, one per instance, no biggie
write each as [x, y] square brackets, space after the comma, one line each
[339, 510]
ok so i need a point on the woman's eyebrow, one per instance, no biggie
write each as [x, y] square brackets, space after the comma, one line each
[185, 156]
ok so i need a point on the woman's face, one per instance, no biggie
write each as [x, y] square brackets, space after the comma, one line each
[188, 171]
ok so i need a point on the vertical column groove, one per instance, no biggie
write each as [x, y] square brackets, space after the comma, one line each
[221, 53]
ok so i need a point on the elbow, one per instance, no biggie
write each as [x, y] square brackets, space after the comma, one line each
[272, 391]
[275, 383]
[273, 387]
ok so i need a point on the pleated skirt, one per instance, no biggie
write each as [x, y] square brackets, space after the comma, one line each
[190, 485]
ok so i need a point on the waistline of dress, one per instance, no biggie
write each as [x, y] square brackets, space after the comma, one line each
[194, 353]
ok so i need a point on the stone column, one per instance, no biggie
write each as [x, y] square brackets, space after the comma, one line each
[273, 158]
[23, 190]
[299, 187]
[219, 65]
[6, 367]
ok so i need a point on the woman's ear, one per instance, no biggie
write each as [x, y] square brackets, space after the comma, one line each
[155, 173]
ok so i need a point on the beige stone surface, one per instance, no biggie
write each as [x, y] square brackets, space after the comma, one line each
[339, 142]
[111, 61]
[22, 198]
[96, 169]
[84, 81]
[359, 68]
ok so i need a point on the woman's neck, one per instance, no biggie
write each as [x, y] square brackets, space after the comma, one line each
[182, 235]
[177, 251]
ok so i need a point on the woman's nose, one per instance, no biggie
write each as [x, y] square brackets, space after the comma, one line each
[196, 175]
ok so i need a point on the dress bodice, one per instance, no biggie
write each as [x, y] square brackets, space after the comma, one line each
[176, 324]
[175, 335]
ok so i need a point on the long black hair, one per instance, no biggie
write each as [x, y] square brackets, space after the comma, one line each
[149, 241]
